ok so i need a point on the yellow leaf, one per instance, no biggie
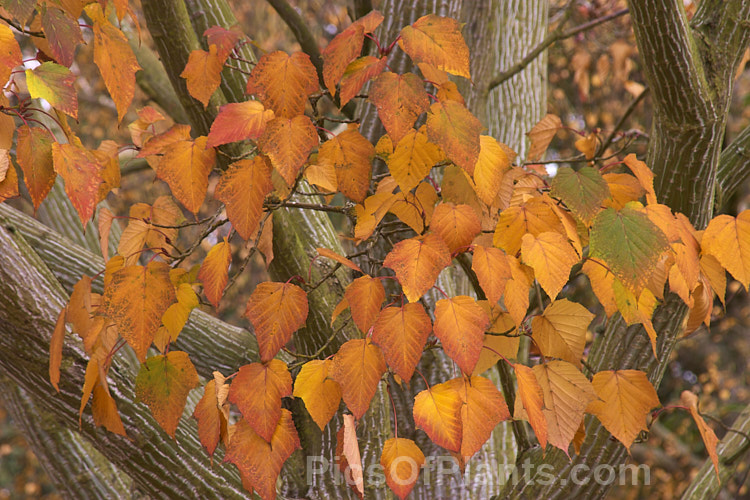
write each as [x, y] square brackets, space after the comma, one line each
[437, 41]
[560, 331]
[320, 393]
[567, 393]
[690, 400]
[728, 240]
[626, 397]
[415, 209]
[491, 166]
[533, 217]
[437, 411]
[551, 257]
[413, 159]
[492, 270]
[517, 289]
[644, 175]
[177, 314]
[530, 393]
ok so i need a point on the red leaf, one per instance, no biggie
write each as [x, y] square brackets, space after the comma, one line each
[239, 121]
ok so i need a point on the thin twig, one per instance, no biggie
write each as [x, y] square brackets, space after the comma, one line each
[18, 27]
[554, 36]
[322, 348]
[622, 120]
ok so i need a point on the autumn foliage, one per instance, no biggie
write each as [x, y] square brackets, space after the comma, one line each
[518, 231]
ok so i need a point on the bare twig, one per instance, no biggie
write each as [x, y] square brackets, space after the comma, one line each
[622, 120]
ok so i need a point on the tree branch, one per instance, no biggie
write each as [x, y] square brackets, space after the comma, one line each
[554, 36]
[734, 168]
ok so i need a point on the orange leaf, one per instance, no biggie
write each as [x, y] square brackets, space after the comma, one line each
[359, 72]
[276, 310]
[163, 383]
[626, 399]
[288, 142]
[401, 332]
[9, 185]
[532, 396]
[437, 41]
[157, 144]
[491, 165]
[324, 252]
[257, 391]
[541, 135]
[457, 225]
[202, 73]
[460, 324]
[624, 188]
[10, 54]
[417, 263]
[516, 296]
[224, 39]
[55, 349]
[320, 393]
[400, 99]
[728, 240]
[34, 155]
[54, 83]
[357, 367]
[115, 59]
[239, 121]
[567, 393]
[401, 460]
[350, 154]
[282, 82]
[437, 411]
[483, 408]
[551, 257]
[452, 127]
[243, 189]
[644, 175]
[339, 52]
[560, 331]
[365, 296]
[210, 419]
[533, 217]
[413, 159]
[104, 410]
[214, 271]
[81, 170]
[501, 339]
[415, 209]
[492, 270]
[708, 435]
[349, 457]
[136, 299]
[185, 166]
[259, 461]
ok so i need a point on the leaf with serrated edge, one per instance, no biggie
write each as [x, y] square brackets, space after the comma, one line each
[358, 73]
[541, 135]
[437, 41]
[417, 263]
[551, 257]
[626, 397]
[457, 225]
[460, 324]
[483, 408]
[532, 396]
[10, 54]
[490, 168]
[583, 191]
[81, 169]
[560, 331]
[288, 142]
[644, 175]
[628, 243]
[401, 460]
[320, 393]
[257, 391]
[243, 188]
[401, 332]
[34, 155]
[400, 99]
[437, 411]
[413, 159]
[365, 295]
[492, 270]
[276, 310]
[533, 217]
[185, 166]
[339, 52]
[728, 240]
[239, 121]
[260, 462]
[452, 127]
[214, 271]
[163, 383]
[350, 155]
[283, 81]
[54, 83]
[567, 393]
[357, 367]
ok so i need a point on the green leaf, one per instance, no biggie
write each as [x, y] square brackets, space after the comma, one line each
[628, 243]
[163, 383]
[583, 192]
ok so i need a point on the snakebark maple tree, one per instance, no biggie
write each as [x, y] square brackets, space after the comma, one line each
[345, 348]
